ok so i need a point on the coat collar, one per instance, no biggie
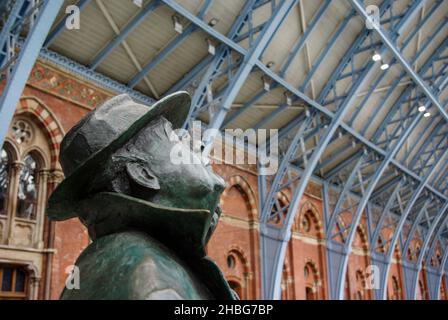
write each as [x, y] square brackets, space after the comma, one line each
[182, 230]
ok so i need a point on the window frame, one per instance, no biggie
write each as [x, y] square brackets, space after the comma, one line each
[13, 294]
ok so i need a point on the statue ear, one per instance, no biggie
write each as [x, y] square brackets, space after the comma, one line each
[142, 176]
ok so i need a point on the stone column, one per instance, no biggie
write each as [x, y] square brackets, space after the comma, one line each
[16, 169]
[55, 177]
[42, 178]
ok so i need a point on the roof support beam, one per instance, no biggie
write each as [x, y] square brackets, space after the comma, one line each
[392, 47]
[435, 222]
[402, 220]
[319, 149]
[363, 203]
[250, 59]
[125, 45]
[25, 62]
[12, 18]
[168, 49]
[131, 26]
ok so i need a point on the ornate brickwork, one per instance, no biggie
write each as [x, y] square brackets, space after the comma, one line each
[67, 87]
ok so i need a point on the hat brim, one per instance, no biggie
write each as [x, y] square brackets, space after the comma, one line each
[175, 108]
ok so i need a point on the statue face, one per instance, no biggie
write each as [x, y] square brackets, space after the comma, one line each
[154, 177]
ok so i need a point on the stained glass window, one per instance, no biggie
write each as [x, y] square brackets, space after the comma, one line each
[4, 180]
[27, 192]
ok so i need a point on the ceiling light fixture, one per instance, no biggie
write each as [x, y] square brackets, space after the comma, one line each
[211, 47]
[270, 64]
[288, 98]
[266, 83]
[422, 109]
[427, 114]
[376, 56]
[384, 66]
[213, 22]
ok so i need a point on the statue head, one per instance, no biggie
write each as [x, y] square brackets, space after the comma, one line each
[123, 147]
[143, 168]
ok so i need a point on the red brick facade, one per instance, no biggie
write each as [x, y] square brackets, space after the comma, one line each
[57, 101]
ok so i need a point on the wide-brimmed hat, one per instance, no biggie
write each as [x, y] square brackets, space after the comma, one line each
[88, 145]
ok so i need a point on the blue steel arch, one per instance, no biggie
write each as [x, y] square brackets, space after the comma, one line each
[376, 156]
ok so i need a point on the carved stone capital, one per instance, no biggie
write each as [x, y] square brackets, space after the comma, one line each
[56, 176]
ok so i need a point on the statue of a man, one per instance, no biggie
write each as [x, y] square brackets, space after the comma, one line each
[149, 219]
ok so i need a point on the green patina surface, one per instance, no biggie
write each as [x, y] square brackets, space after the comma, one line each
[132, 265]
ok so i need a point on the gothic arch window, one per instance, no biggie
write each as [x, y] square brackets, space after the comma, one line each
[27, 188]
[312, 281]
[306, 222]
[231, 262]
[237, 271]
[23, 184]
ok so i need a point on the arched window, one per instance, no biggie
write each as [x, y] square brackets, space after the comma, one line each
[4, 180]
[231, 262]
[13, 283]
[306, 222]
[312, 281]
[23, 184]
[306, 271]
[27, 191]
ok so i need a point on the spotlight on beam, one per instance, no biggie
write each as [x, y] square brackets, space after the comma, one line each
[421, 109]
[427, 114]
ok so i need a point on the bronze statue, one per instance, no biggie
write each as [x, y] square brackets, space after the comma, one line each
[149, 219]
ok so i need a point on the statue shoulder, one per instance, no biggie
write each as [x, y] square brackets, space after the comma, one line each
[137, 267]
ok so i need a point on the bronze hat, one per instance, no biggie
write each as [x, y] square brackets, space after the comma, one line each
[87, 146]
